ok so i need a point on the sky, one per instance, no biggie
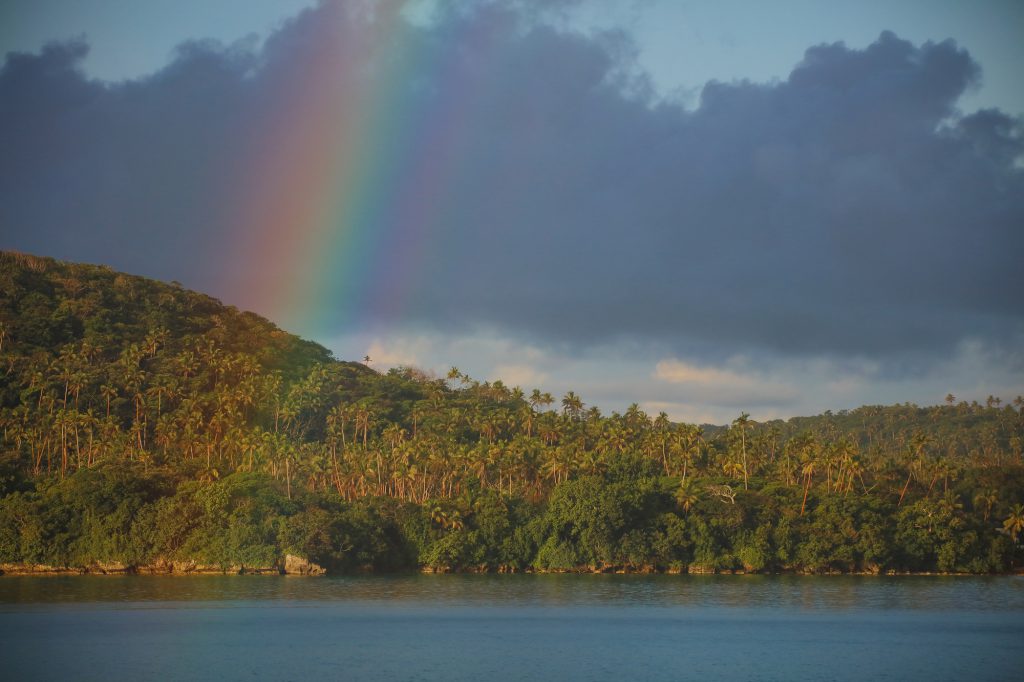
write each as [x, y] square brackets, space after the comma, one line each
[703, 208]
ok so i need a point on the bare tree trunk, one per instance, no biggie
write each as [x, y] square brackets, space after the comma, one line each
[904, 491]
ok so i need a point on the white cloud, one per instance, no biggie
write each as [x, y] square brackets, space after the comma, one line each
[679, 372]
[723, 386]
[524, 376]
[692, 390]
[399, 351]
[685, 412]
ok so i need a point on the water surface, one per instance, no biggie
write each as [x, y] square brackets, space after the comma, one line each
[512, 627]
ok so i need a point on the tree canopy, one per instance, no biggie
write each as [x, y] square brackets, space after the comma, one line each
[142, 422]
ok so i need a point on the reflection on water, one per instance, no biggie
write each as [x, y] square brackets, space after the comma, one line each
[829, 593]
[511, 627]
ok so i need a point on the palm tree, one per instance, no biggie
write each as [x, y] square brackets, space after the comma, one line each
[732, 469]
[919, 444]
[846, 452]
[572, 406]
[686, 494]
[950, 506]
[661, 439]
[109, 393]
[536, 398]
[438, 516]
[985, 501]
[808, 472]
[688, 443]
[1014, 523]
[526, 416]
[741, 422]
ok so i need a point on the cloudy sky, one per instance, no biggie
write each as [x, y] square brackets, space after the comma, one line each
[704, 208]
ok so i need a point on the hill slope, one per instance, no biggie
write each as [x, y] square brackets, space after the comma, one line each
[144, 424]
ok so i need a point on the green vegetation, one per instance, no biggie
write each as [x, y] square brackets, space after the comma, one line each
[144, 423]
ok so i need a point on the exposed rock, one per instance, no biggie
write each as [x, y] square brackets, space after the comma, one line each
[191, 567]
[260, 570]
[194, 568]
[161, 566]
[35, 569]
[697, 568]
[294, 565]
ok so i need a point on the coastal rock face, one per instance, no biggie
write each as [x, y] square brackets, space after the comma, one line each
[699, 569]
[260, 570]
[291, 564]
[294, 565]
[189, 566]
[34, 569]
[192, 567]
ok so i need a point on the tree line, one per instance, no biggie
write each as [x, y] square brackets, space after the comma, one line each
[142, 421]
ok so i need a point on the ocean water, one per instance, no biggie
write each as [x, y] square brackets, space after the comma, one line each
[512, 627]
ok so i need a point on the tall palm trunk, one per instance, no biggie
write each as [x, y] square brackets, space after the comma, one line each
[807, 487]
[904, 491]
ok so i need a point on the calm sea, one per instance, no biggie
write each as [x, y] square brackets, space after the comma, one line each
[512, 627]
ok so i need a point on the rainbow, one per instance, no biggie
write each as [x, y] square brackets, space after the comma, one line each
[341, 190]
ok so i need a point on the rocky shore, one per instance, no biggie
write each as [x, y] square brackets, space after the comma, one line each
[295, 565]
[288, 565]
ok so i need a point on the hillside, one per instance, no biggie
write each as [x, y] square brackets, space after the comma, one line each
[145, 425]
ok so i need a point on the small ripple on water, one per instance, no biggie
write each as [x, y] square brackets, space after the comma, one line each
[471, 627]
[831, 593]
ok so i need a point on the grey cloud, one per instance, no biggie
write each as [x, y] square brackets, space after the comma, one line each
[128, 174]
[849, 209]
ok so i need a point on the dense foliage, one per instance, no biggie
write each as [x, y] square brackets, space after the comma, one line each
[143, 422]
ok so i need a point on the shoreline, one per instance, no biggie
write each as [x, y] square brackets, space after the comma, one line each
[304, 568]
[288, 565]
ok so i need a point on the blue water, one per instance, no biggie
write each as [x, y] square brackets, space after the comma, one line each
[512, 627]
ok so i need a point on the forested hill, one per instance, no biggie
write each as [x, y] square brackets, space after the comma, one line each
[960, 431]
[50, 308]
[147, 425]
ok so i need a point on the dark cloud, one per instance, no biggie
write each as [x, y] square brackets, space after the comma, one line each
[850, 209]
[129, 174]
